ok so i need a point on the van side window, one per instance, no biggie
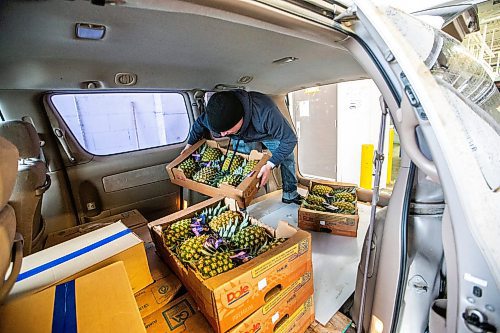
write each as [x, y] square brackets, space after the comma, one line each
[113, 123]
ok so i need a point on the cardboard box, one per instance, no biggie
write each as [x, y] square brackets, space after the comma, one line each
[161, 291]
[299, 320]
[338, 224]
[339, 323]
[280, 306]
[83, 255]
[132, 219]
[228, 298]
[243, 193]
[180, 315]
[101, 301]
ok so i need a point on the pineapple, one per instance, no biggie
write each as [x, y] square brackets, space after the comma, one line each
[176, 232]
[345, 196]
[213, 264]
[345, 207]
[315, 200]
[233, 180]
[314, 207]
[191, 249]
[321, 190]
[251, 237]
[216, 258]
[224, 219]
[206, 175]
[237, 161]
[249, 166]
[211, 154]
[189, 167]
[270, 245]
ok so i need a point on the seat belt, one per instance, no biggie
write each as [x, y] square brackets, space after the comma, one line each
[378, 162]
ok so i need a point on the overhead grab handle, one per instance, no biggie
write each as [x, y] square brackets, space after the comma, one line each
[406, 124]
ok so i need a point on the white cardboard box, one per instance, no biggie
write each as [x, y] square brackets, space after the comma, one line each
[84, 254]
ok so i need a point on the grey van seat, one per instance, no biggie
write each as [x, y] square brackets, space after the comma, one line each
[9, 241]
[32, 181]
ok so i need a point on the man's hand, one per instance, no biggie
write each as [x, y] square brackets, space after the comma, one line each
[185, 148]
[264, 173]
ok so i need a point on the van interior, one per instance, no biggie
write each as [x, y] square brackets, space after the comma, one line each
[99, 96]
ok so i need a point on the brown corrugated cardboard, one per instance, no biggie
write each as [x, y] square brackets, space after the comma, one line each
[280, 306]
[299, 320]
[243, 193]
[338, 224]
[338, 324]
[161, 291]
[180, 315]
[103, 303]
[83, 255]
[132, 219]
[230, 297]
[157, 294]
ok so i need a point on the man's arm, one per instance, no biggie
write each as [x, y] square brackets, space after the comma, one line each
[279, 128]
[198, 129]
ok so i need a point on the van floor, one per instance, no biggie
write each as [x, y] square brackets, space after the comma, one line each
[335, 258]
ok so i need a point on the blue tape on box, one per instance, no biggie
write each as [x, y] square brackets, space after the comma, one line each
[64, 315]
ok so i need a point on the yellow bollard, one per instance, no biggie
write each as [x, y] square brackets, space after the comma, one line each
[389, 155]
[366, 177]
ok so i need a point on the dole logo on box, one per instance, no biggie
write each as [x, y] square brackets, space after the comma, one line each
[256, 327]
[234, 296]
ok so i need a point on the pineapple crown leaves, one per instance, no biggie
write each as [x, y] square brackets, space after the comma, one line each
[234, 226]
[351, 190]
[203, 148]
[212, 212]
[239, 170]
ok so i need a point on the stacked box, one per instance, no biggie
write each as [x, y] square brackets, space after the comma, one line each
[243, 193]
[324, 221]
[279, 308]
[101, 301]
[228, 298]
[182, 315]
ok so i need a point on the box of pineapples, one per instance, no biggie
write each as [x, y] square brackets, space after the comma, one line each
[210, 169]
[230, 262]
[330, 207]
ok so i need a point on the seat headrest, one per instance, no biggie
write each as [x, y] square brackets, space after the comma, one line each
[8, 168]
[23, 135]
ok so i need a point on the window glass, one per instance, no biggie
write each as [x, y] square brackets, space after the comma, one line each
[112, 123]
[314, 113]
[334, 123]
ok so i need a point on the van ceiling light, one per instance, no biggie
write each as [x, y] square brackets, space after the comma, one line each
[125, 79]
[90, 31]
[245, 79]
[285, 60]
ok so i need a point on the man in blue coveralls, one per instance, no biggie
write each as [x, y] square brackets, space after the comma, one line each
[252, 117]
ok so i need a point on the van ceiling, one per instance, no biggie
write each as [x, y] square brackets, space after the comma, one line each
[176, 45]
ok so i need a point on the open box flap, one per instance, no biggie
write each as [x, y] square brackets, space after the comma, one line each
[284, 230]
